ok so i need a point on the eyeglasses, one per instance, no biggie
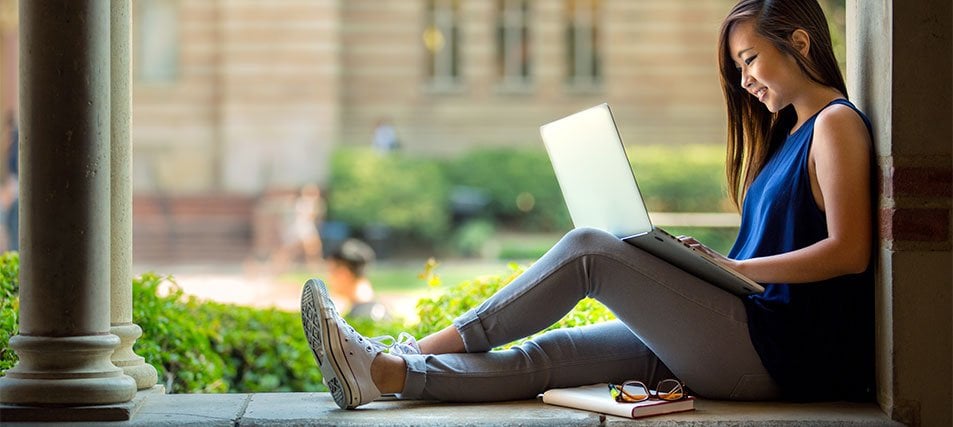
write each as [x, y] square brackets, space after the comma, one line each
[636, 391]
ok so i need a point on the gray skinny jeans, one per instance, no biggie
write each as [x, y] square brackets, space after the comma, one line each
[671, 325]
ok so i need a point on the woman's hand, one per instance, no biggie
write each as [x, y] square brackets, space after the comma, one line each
[717, 257]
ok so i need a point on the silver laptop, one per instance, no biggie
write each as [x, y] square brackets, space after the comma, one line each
[601, 192]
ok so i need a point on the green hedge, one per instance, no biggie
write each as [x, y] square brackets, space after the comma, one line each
[520, 185]
[406, 194]
[205, 347]
[9, 307]
[174, 340]
[437, 312]
[688, 178]
[412, 196]
[197, 347]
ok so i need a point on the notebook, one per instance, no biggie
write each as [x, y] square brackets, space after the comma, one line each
[596, 398]
[601, 191]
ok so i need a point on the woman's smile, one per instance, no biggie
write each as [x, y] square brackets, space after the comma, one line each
[760, 93]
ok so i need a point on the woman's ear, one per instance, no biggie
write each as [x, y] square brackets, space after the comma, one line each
[801, 41]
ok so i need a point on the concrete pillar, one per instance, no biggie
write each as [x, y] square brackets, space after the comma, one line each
[910, 107]
[121, 198]
[64, 343]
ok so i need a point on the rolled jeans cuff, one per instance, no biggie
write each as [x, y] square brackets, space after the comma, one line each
[416, 376]
[472, 332]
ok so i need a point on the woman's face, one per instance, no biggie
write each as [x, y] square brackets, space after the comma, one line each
[771, 76]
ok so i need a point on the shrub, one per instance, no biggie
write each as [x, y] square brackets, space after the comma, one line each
[405, 194]
[174, 339]
[197, 347]
[264, 349]
[686, 178]
[520, 183]
[204, 347]
[471, 236]
[9, 307]
[411, 197]
[438, 312]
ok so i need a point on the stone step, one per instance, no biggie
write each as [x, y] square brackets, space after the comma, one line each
[277, 409]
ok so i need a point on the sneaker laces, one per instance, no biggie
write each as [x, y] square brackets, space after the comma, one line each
[404, 344]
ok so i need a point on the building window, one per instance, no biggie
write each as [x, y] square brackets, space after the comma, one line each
[513, 59]
[157, 40]
[441, 39]
[584, 68]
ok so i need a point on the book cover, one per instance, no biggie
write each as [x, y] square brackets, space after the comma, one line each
[596, 398]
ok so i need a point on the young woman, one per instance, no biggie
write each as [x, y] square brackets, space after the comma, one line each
[799, 166]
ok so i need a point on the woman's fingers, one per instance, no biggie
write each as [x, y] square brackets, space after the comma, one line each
[688, 240]
[695, 244]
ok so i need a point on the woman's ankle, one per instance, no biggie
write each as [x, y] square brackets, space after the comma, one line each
[388, 373]
[447, 340]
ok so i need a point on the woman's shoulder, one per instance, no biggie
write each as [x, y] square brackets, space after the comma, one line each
[841, 122]
[841, 140]
[840, 112]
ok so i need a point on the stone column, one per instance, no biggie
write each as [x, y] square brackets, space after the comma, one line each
[121, 198]
[910, 109]
[64, 343]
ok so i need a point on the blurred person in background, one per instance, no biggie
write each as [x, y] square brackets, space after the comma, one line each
[301, 234]
[385, 137]
[349, 285]
[10, 191]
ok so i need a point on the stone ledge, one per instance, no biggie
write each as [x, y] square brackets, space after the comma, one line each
[277, 409]
[115, 412]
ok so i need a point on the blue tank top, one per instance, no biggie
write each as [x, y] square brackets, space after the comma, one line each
[815, 339]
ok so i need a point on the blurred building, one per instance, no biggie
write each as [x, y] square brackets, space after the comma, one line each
[242, 96]
[234, 99]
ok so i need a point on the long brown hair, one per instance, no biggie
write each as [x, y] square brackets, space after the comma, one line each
[753, 131]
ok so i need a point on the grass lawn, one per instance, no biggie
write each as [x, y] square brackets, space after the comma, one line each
[403, 277]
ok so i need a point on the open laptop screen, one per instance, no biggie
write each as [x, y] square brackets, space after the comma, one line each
[594, 174]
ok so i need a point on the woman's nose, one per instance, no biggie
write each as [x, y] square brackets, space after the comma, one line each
[745, 80]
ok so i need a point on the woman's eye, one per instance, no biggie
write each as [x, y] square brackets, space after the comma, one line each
[749, 59]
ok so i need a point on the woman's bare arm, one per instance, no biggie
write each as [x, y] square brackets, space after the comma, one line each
[840, 178]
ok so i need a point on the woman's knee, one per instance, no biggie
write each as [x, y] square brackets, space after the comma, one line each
[599, 340]
[589, 237]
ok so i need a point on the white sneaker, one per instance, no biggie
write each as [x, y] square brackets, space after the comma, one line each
[404, 344]
[309, 318]
[344, 356]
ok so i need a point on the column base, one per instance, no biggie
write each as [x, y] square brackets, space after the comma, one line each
[65, 371]
[115, 412]
[131, 363]
[144, 374]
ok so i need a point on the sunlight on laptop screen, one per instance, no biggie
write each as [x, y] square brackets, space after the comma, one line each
[594, 173]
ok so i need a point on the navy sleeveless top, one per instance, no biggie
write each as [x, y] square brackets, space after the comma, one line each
[815, 339]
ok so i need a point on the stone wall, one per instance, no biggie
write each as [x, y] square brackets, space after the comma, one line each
[910, 107]
[253, 102]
